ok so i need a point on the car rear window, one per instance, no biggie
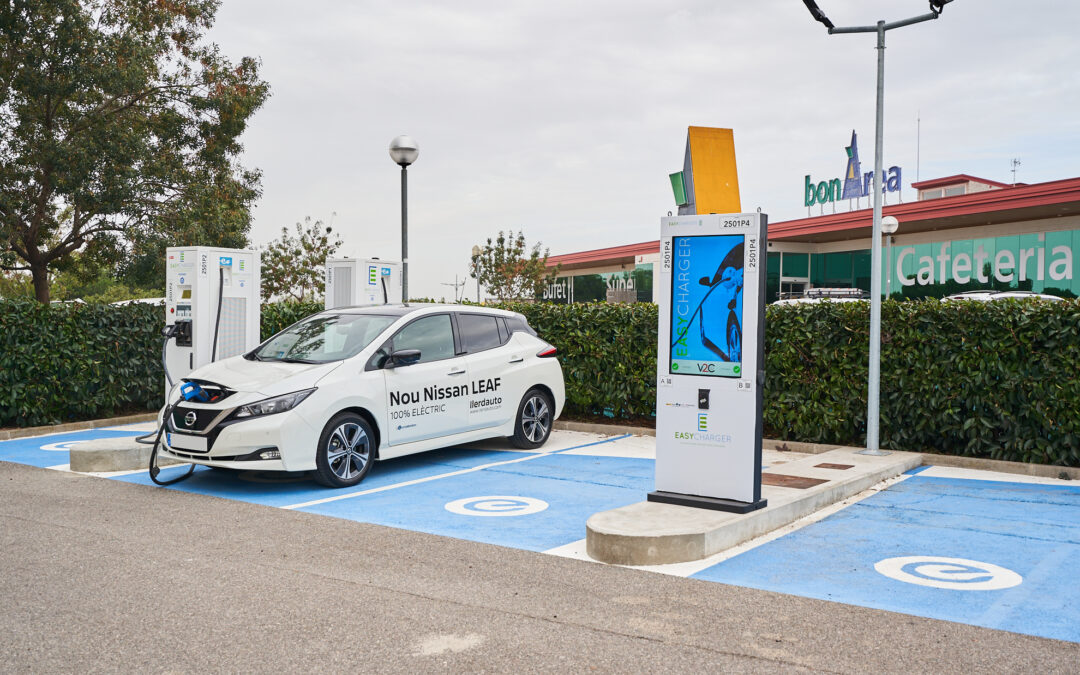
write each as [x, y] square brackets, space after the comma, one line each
[479, 332]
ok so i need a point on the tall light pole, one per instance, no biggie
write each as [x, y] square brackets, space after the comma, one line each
[404, 151]
[476, 251]
[873, 411]
[889, 225]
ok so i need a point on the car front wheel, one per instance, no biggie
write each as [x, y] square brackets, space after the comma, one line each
[535, 415]
[345, 451]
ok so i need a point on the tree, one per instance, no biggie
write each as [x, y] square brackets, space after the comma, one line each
[504, 270]
[116, 118]
[295, 266]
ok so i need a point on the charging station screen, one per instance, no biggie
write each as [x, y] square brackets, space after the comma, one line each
[707, 305]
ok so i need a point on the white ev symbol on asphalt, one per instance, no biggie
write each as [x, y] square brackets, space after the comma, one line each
[958, 574]
[62, 446]
[496, 505]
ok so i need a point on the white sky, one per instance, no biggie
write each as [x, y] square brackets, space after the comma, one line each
[565, 118]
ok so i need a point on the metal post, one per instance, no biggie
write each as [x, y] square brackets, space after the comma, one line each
[873, 414]
[404, 234]
[888, 266]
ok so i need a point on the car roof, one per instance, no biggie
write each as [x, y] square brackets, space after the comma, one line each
[415, 307]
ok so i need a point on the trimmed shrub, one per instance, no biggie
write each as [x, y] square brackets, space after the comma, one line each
[278, 316]
[998, 380]
[607, 351]
[71, 361]
[983, 379]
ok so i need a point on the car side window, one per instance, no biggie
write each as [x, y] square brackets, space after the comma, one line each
[479, 332]
[432, 335]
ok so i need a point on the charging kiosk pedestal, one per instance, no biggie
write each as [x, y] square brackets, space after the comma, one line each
[195, 278]
[352, 282]
[711, 292]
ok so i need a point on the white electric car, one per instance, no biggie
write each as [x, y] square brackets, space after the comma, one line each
[342, 388]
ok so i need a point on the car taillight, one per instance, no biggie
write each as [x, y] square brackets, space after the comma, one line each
[546, 352]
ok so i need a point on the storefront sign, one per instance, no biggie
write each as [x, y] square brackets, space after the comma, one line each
[946, 263]
[708, 412]
[855, 184]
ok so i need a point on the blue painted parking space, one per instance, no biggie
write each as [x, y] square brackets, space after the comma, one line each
[285, 489]
[52, 450]
[994, 554]
[535, 505]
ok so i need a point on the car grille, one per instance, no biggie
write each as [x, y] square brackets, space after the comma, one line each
[203, 418]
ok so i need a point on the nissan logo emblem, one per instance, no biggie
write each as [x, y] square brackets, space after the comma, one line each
[189, 419]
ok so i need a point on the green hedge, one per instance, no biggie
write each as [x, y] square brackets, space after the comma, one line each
[71, 361]
[280, 315]
[983, 379]
[607, 351]
[998, 380]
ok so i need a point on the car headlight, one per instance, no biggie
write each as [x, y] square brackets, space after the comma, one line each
[270, 406]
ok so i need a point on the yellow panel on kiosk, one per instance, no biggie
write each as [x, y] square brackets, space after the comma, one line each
[712, 159]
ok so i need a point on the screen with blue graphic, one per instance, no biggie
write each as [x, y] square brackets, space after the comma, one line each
[707, 305]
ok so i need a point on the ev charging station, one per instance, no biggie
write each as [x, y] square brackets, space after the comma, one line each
[352, 282]
[710, 360]
[211, 305]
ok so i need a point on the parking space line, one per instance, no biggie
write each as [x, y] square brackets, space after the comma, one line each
[449, 474]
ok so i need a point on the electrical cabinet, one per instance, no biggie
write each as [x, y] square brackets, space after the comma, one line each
[352, 282]
[195, 278]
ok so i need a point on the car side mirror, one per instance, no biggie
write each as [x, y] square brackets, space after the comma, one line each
[705, 281]
[404, 357]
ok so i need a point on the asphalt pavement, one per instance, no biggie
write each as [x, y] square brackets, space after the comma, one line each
[102, 575]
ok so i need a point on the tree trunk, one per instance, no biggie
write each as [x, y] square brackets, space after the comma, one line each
[41, 282]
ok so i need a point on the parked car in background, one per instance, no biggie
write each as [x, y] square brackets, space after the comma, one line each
[987, 296]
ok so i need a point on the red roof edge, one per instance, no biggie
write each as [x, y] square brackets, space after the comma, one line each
[953, 180]
[628, 250]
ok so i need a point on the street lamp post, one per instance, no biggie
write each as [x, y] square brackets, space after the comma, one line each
[476, 269]
[404, 151]
[873, 412]
[889, 225]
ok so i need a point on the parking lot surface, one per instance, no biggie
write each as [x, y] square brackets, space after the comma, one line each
[992, 550]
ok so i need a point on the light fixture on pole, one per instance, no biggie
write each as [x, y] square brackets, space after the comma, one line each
[476, 269]
[873, 412]
[404, 151]
[889, 226]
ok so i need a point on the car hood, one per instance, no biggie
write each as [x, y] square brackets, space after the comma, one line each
[269, 378]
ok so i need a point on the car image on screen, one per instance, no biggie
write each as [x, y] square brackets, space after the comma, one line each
[721, 310]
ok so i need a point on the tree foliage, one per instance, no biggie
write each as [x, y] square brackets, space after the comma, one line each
[293, 267]
[119, 125]
[509, 270]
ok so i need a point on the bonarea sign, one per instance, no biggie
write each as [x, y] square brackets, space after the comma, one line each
[710, 352]
[856, 184]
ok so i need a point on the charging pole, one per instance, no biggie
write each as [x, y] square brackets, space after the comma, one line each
[873, 412]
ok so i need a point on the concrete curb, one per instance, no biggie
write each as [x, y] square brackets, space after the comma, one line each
[931, 459]
[648, 533]
[9, 434]
[111, 454]
[605, 429]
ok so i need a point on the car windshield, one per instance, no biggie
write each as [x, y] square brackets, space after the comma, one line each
[323, 338]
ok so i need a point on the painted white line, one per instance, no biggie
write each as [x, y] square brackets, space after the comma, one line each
[997, 476]
[440, 476]
[577, 551]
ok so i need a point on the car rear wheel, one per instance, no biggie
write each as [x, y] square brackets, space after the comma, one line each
[345, 451]
[535, 415]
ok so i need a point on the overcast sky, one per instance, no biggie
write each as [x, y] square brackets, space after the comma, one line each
[565, 118]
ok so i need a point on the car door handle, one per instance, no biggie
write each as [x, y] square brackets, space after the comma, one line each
[457, 372]
[517, 359]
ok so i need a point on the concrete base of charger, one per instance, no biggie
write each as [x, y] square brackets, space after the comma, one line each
[651, 533]
[111, 454]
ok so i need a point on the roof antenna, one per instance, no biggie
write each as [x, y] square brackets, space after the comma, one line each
[1015, 163]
